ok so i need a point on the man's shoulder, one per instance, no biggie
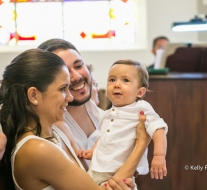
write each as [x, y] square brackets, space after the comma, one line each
[92, 107]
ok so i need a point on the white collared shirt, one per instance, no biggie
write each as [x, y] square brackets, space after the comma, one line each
[118, 133]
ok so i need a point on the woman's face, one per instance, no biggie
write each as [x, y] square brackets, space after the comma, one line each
[52, 103]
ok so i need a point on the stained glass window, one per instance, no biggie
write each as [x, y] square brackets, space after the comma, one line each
[86, 23]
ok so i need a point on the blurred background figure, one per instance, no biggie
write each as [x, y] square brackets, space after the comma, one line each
[159, 42]
[95, 90]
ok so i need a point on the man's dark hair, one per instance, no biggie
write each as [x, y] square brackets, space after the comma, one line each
[56, 44]
[159, 38]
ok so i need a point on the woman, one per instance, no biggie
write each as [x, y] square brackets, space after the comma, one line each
[34, 94]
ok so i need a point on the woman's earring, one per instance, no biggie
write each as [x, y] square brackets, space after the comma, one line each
[35, 102]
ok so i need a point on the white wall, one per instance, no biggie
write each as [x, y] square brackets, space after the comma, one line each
[160, 15]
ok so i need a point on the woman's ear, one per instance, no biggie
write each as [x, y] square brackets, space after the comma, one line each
[32, 95]
[141, 92]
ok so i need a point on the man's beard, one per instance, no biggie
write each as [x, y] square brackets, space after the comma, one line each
[80, 102]
[83, 101]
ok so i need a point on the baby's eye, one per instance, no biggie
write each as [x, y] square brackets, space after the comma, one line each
[111, 80]
[125, 80]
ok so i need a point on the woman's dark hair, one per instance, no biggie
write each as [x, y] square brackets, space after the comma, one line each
[32, 68]
[56, 44]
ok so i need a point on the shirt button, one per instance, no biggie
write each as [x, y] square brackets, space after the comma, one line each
[108, 130]
[113, 109]
[112, 120]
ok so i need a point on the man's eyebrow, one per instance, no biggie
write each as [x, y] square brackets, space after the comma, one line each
[78, 61]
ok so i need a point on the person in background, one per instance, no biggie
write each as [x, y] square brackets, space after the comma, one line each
[159, 42]
[34, 94]
[94, 93]
[127, 84]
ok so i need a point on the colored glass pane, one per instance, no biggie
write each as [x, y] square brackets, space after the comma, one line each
[7, 22]
[38, 21]
[86, 23]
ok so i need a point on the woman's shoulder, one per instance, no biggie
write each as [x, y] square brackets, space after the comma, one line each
[35, 149]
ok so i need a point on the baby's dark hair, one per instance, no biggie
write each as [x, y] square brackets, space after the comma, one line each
[141, 71]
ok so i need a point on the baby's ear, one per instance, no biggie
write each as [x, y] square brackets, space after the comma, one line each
[141, 92]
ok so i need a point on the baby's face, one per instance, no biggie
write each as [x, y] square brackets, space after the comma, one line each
[123, 84]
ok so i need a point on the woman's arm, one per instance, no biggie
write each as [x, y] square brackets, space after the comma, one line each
[48, 165]
[143, 139]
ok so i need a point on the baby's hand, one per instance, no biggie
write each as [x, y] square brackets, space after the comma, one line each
[87, 154]
[158, 167]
